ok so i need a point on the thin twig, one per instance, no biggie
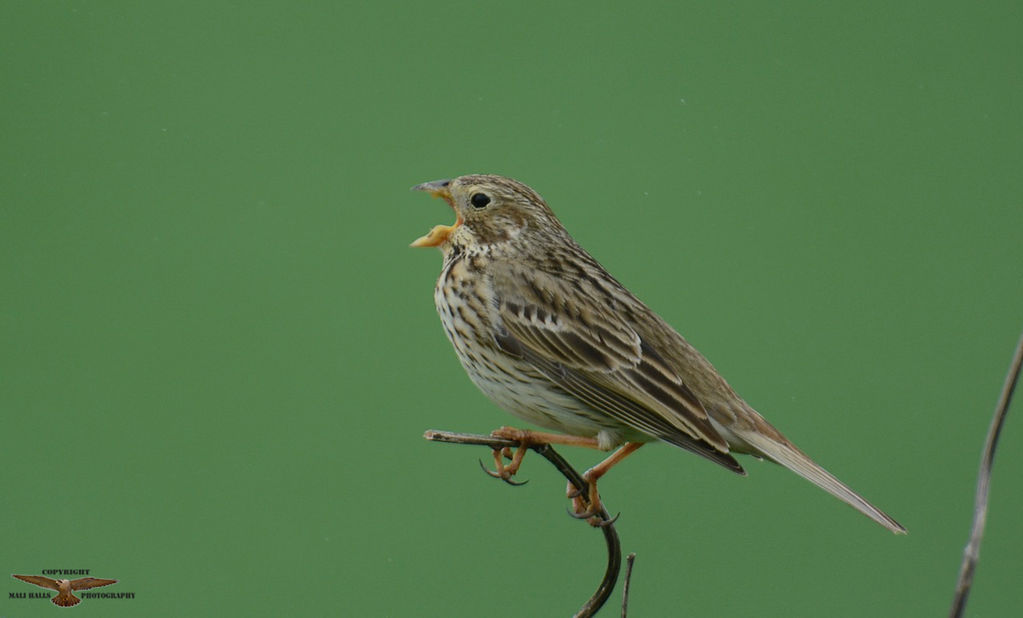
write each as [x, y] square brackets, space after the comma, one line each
[972, 552]
[614, 547]
[631, 558]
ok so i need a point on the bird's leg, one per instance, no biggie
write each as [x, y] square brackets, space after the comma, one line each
[526, 439]
[590, 507]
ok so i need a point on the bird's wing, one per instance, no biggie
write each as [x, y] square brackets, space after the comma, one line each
[84, 583]
[39, 580]
[578, 338]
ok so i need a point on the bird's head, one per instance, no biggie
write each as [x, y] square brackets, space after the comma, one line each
[490, 210]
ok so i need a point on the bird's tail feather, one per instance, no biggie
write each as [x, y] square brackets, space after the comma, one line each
[66, 600]
[792, 458]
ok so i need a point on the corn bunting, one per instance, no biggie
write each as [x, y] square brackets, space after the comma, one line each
[547, 334]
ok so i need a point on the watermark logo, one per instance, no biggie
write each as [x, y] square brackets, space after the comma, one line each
[65, 587]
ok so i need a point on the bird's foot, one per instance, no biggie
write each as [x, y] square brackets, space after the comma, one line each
[589, 507]
[503, 471]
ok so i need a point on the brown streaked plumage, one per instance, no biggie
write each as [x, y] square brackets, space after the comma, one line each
[64, 587]
[545, 332]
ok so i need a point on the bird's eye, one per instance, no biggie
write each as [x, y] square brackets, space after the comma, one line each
[479, 200]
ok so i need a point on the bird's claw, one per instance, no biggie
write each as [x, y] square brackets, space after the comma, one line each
[588, 513]
[503, 472]
[594, 517]
[489, 472]
[604, 523]
[586, 503]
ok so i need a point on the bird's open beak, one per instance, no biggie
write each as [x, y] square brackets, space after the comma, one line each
[440, 233]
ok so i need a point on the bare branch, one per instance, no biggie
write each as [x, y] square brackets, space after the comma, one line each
[629, 560]
[614, 547]
[972, 552]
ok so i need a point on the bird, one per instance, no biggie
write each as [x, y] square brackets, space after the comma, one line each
[64, 597]
[546, 333]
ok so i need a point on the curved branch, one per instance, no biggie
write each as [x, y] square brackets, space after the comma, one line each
[972, 552]
[614, 547]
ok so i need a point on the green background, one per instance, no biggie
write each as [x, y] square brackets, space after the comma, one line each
[219, 354]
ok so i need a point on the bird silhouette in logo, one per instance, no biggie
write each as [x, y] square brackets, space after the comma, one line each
[64, 587]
